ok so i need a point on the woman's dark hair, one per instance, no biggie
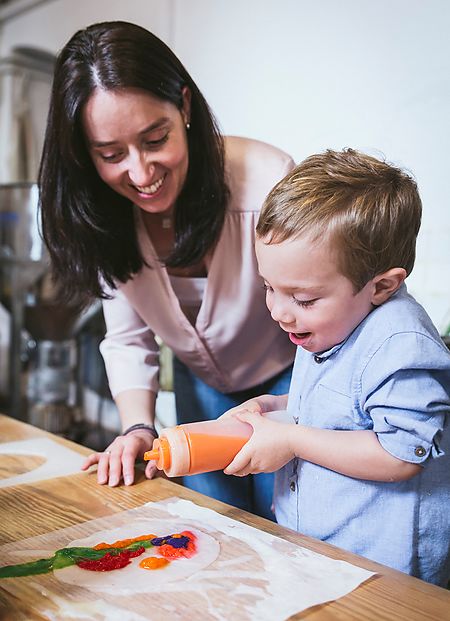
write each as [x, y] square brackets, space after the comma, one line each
[88, 228]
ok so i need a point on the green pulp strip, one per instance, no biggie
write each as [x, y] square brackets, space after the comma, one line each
[64, 558]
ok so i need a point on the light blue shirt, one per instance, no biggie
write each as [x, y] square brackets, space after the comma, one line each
[392, 376]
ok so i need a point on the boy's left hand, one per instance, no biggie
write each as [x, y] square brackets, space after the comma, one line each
[268, 449]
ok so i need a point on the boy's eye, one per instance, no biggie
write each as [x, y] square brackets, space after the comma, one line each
[304, 303]
[267, 288]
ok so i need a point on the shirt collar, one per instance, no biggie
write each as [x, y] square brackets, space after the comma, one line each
[324, 355]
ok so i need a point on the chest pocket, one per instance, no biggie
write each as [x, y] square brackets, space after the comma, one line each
[330, 409]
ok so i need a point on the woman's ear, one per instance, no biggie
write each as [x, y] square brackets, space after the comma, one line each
[186, 109]
[386, 284]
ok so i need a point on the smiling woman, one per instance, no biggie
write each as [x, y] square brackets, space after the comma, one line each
[147, 206]
[146, 163]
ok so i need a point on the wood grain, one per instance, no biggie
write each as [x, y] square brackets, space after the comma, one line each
[12, 465]
[45, 506]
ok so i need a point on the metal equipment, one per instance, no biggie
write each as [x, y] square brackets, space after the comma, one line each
[42, 359]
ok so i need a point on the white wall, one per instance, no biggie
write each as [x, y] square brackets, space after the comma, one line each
[51, 24]
[371, 74]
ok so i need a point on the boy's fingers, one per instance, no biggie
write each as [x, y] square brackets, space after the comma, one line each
[254, 407]
[239, 464]
[234, 413]
[249, 417]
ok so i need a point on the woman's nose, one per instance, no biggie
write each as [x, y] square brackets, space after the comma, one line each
[140, 170]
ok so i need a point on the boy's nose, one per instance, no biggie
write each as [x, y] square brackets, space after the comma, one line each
[281, 313]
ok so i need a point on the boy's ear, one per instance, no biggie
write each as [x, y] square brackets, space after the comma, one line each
[386, 284]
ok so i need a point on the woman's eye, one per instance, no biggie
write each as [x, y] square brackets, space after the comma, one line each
[304, 303]
[110, 157]
[157, 142]
[267, 288]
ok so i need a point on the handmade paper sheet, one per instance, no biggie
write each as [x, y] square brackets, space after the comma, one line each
[246, 574]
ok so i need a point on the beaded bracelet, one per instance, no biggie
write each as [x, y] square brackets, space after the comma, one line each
[140, 426]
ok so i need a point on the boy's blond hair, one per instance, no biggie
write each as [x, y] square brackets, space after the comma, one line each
[368, 210]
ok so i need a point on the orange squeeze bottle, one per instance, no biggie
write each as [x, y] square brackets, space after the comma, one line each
[199, 447]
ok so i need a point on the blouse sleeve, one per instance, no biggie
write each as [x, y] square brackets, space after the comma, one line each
[129, 349]
[405, 391]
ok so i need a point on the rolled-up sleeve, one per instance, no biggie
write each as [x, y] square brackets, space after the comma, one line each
[129, 349]
[405, 388]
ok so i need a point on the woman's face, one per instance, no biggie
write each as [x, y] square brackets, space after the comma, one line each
[138, 144]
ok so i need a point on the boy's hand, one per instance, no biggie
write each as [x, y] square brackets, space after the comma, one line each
[261, 404]
[268, 449]
[252, 405]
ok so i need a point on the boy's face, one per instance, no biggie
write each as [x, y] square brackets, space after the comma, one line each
[308, 296]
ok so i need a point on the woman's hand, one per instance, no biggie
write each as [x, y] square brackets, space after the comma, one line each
[118, 459]
[268, 449]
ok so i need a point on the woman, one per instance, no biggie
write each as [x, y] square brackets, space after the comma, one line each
[145, 205]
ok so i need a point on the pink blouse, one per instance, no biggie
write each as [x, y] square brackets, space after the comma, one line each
[234, 343]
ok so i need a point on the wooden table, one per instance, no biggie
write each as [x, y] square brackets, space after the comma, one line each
[57, 503]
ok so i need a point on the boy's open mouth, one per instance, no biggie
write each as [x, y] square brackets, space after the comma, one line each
[300, 338]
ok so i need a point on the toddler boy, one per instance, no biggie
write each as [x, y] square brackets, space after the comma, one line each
[367, 466]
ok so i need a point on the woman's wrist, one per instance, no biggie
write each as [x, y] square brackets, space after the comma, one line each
[141, 426]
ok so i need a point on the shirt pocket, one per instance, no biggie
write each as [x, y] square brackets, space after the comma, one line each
[332, 409]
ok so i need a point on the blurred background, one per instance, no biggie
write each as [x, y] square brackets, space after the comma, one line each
[304, 76]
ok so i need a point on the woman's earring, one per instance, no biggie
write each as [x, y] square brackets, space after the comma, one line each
[188, 126]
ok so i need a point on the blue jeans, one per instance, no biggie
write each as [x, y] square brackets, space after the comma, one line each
[196, 401]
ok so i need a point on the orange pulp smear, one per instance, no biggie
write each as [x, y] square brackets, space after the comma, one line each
[153, 562]
[210, 452]
[122, 543]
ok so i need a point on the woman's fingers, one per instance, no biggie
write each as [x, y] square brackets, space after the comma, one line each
[151, 470]
[129, 455]
[119, 458]
[115, 467]
[103, 467]
[90, 461]
[102, 459]
[135, 445]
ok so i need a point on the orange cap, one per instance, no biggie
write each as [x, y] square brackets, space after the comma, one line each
[159, 453]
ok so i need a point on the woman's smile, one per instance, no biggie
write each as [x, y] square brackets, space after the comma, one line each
[151, 190]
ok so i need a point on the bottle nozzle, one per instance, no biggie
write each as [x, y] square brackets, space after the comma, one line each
[159, 453]
[153, 454]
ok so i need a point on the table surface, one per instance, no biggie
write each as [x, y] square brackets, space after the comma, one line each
[60, 502]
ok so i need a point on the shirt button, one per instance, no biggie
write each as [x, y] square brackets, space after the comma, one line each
[318, 359]
[419, 451]
[292, 486]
